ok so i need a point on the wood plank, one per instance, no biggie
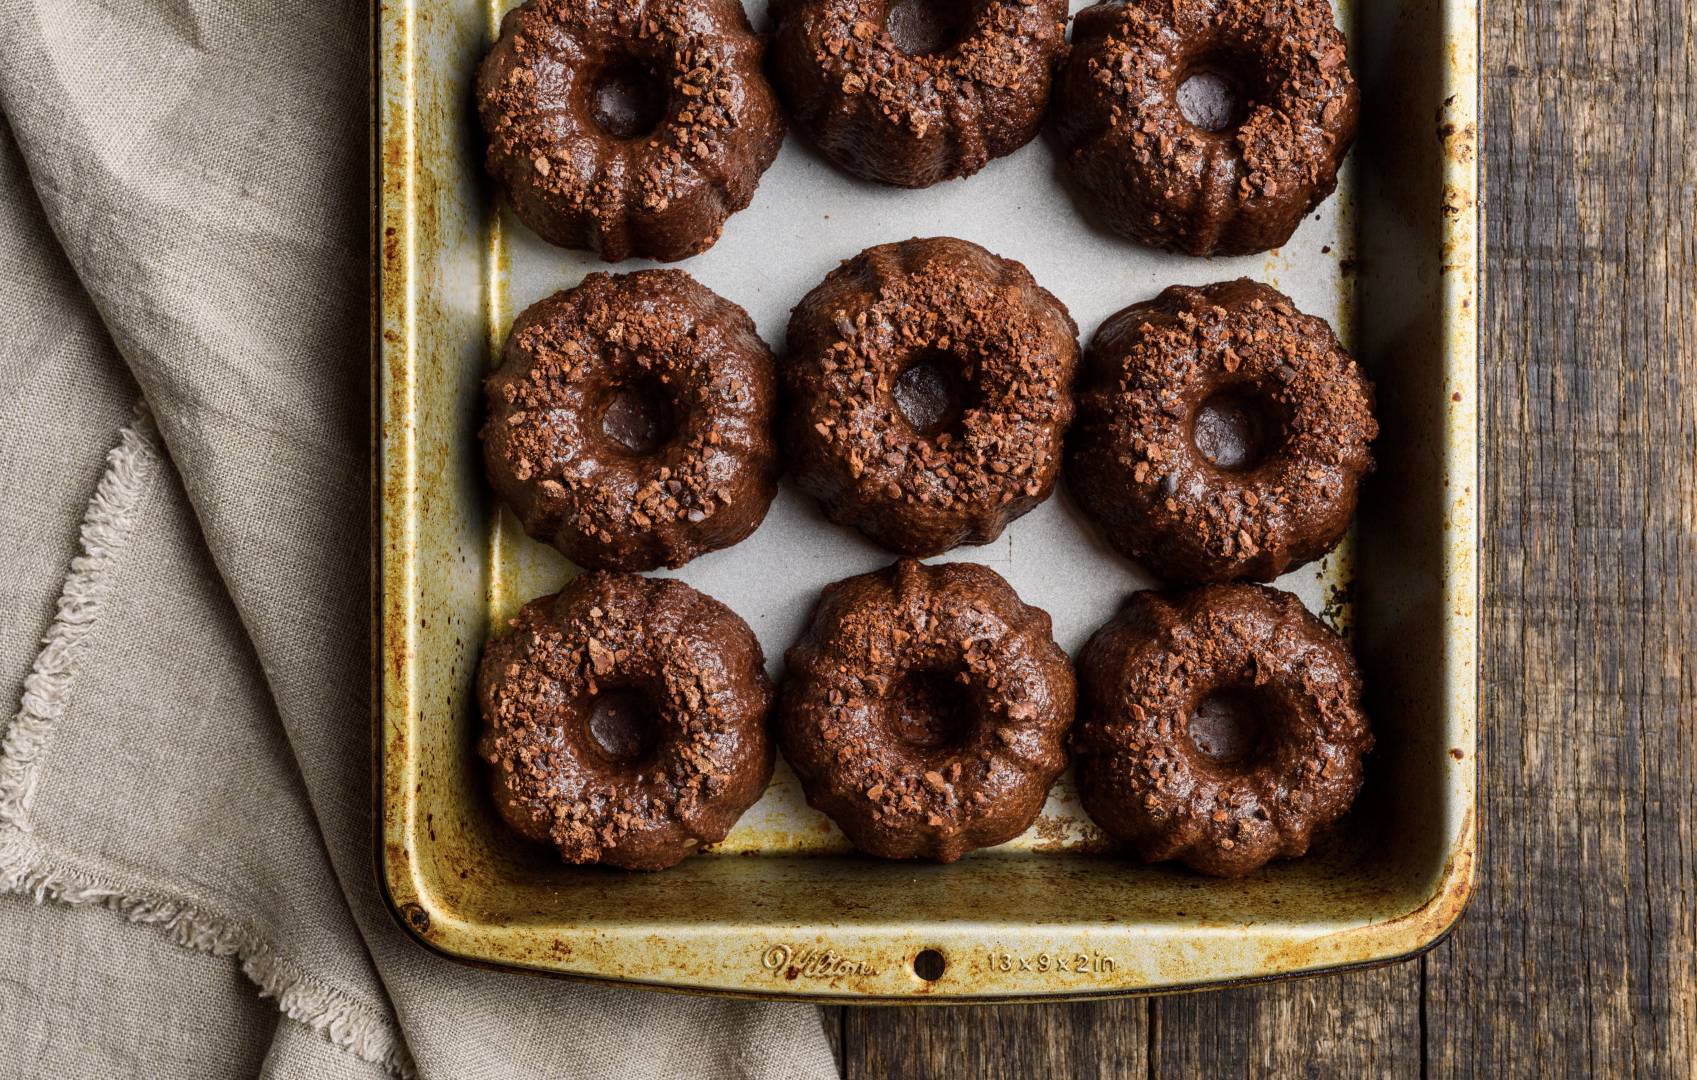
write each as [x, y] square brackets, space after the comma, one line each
[1086, 1041]
[832, 1018]
[1363, 1024]
[1577, 957]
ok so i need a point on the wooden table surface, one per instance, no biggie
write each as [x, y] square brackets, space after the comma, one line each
[1578, 954]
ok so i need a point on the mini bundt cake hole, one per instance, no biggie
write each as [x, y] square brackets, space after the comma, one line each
[637, 417]
[932, 394]
[627, 99]
[1231, 730]
[625, 725]
[1212, 94]
[929, 709]
[928, 27]
[1236, 429]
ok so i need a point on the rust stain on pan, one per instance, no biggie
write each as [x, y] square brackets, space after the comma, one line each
[1053, 917]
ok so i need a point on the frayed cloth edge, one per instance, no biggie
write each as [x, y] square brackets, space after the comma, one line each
[106, 531]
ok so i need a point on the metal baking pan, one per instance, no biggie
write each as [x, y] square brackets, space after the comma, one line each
[782, 907]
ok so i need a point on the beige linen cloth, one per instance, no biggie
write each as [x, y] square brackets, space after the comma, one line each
[186, 874]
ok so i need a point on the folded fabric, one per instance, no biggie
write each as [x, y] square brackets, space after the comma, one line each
[184, 321]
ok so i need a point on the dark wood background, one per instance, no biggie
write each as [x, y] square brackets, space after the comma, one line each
[1578, 955]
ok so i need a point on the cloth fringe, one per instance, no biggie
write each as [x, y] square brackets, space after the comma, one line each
[106, 531]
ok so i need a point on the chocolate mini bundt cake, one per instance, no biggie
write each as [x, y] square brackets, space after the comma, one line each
[630, 421]
[1221, 727]
[929, 389]
[625, 127]
[624, 720]
[926, 709]
[1209, 127]
[1221, 433]
[913, 92]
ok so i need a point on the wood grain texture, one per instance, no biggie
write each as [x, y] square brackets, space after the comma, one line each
[1364, 1024]
[1578, 955]
[1098, 1041]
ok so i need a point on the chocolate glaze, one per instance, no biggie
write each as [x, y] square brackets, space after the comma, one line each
[625, 720]
[929, 390]
[925, 710]
[913, 92]
[1221, 433]
[1228, 164]
[628, 128]
[1219, 726]
[630, 421]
